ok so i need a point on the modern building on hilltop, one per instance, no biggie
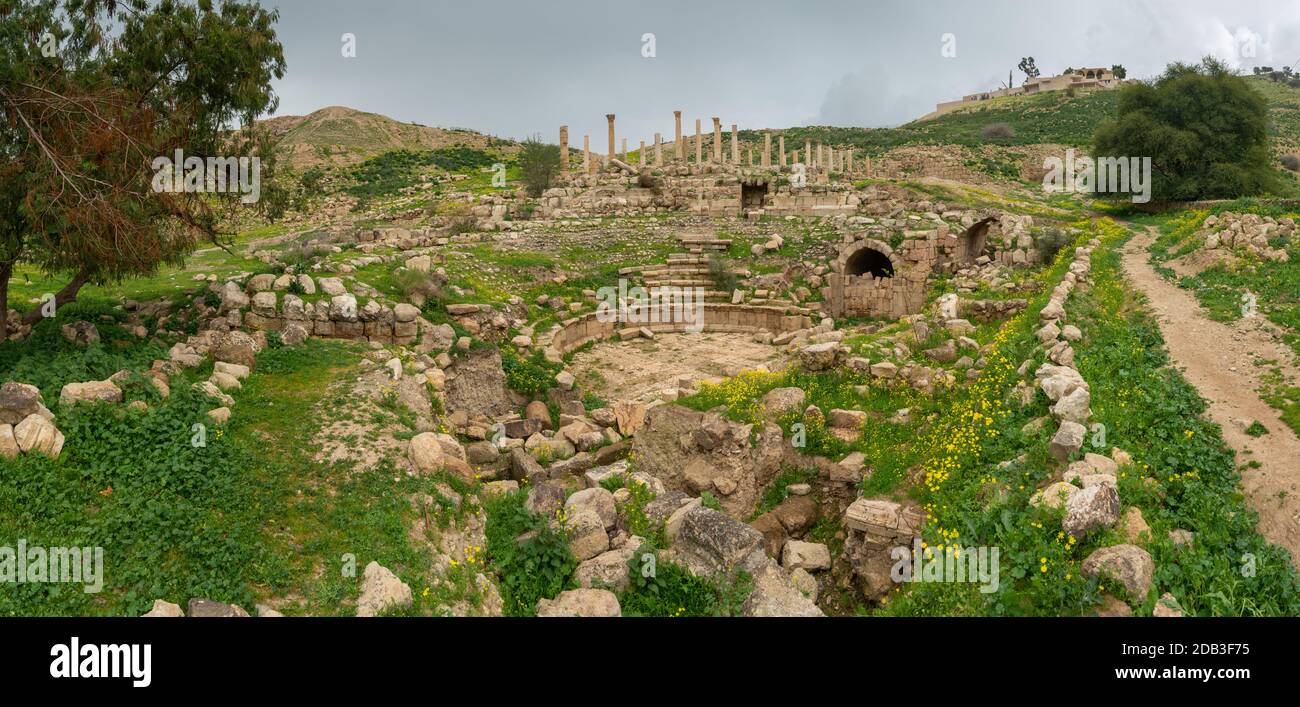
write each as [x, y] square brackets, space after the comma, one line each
[1086, 78]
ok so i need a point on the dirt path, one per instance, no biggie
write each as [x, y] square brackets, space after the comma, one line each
[1219, 359]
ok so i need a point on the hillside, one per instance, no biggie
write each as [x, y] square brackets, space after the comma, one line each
[344, 136]
[1045, 118]
[1284, 110]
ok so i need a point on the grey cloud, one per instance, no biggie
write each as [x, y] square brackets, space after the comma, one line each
[517, 67]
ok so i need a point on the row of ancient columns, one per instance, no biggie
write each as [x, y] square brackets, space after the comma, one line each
[824, 157]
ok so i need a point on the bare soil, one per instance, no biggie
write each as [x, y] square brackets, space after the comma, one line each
[1224, 362]
[642, 368]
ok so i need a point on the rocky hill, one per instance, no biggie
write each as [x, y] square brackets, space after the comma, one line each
[343, 136]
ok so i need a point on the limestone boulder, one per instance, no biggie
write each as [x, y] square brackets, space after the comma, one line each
[779, 401]
[1091, 509]
[806, 556]
[587, 535]
[1068, 439]
[1129, 565]
[821, 357]
[18, 400]
[608, 570]
[382, 591]
[709, 542]
[581, 603]
[105, 391]
[236, 347]
[9, 448]
[776, 594]
[36, 434]
[596, 499]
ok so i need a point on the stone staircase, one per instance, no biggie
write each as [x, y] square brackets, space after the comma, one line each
[690, 268]
[686, 269]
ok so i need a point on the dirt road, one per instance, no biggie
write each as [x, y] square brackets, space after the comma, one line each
[1219, 359]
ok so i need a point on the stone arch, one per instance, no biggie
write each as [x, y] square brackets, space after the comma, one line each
[975, 239]
[868, 257]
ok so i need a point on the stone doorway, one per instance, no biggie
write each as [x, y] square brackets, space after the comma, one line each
[974, 240]
[752, 195]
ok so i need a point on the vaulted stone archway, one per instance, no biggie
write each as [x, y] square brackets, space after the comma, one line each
[869, 261]
[868, 257]
[974, 240]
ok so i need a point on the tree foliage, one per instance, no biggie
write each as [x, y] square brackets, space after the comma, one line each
[1028, 67]
[539, 164]
[91, 93]
[1204, 129]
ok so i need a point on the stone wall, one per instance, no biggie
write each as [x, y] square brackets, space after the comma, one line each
[868, 296]
[713, 189]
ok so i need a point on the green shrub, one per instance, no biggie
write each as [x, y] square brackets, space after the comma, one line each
[538, 566]
[670, 590]
[1204, 129]
[997, 131]
[1052, 241]
[539, 163]
[721, 274]
[531, 376]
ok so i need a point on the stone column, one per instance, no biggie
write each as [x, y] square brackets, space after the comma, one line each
[866, 166]
[659, 151]
[610, 117]
[699, 143]
[717, 139]
[807, 153]
[767, 149]
[564, 150]
[849, 158]
[641, 153]
[794, 157]
[624, 150]
[681, 147]
[781, 149]
[735, 145]
[586, 153]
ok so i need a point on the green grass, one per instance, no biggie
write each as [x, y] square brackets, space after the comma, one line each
[1042, 118]
[1222, 288]
[249, 516]
[1183, 477]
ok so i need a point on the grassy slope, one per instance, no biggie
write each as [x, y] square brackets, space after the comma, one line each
[248, 516]
[1183, 477]
[1042, 118]
[338, 135]
[1053, 117]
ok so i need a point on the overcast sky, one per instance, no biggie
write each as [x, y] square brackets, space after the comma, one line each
[519, 67]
